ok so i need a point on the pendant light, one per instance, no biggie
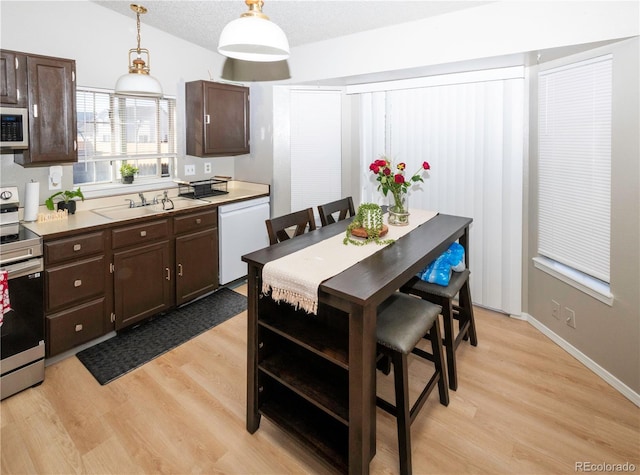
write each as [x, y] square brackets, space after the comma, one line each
[138, 82]
[253, 37]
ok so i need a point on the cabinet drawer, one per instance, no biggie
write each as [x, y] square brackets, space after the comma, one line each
[75, 282]
[195, 221]
[75, 326]
[139, 233]
[74, 247]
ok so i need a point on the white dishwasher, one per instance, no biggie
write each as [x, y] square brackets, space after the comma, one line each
[241, 230]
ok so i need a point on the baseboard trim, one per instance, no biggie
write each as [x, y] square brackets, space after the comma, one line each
[610, 379]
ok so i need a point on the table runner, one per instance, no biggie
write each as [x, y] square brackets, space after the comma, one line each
[295, 278]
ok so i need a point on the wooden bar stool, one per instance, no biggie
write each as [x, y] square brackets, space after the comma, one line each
[463, 312]
[402, 322]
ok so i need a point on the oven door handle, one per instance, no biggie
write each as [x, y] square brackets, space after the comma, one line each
[20, 269]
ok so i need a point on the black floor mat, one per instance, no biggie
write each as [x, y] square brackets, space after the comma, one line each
[133, 348]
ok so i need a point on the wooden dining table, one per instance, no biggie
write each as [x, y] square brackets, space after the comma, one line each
[318, 383]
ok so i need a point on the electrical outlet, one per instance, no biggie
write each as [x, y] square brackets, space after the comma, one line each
[207, 167]
[570, 317]
[189, 170]
[555, 310]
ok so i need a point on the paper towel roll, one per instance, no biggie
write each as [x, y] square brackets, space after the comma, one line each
[31, 201]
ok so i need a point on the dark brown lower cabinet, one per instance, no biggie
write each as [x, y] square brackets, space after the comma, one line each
[195, 273]
[106, 280]
[196, 254]
[142, 283]
[77, 290]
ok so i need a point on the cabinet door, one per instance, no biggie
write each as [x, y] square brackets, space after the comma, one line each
[217, 119]
[143, 284]
[196, 264]
[52, 111]
[13, 79]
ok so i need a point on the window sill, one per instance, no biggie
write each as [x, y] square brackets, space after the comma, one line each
[138, 186]
[589, 285]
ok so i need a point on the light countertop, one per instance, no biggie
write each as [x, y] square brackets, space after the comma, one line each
[85, 218]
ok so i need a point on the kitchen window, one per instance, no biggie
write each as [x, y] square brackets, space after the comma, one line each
[113, 128]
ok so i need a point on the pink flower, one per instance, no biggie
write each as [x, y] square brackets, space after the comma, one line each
[426, 166]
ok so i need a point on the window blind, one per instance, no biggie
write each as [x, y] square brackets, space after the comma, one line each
[472, 134]
[574, 171]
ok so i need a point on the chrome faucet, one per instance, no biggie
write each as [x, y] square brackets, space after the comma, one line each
[143, 201]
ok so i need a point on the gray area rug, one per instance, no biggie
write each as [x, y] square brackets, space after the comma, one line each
[132, 348]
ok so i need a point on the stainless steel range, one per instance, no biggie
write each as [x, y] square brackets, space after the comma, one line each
[22, 345]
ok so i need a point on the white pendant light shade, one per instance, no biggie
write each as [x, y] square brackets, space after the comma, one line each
[138, 85]
[253, 37]
[138, 82]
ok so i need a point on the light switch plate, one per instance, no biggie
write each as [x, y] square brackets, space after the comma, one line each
[189, 170]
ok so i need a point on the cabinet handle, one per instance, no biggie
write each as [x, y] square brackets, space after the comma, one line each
[207, 119]
[77, 247]
[180, 270]
[77, 282]
[198, 221]
[79, 327]
[75, 145]
[143, 233]
[35, 110]
[168, 273]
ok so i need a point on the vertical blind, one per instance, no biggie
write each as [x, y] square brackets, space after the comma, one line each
[316, 155]
[472, 134]
[574, 179]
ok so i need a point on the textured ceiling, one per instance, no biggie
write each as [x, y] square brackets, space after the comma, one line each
[306, 21]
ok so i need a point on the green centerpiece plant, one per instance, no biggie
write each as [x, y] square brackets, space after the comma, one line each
[367, 226]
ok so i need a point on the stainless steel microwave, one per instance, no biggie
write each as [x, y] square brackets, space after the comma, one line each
[15, 127]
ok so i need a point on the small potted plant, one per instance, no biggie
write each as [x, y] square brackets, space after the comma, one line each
[367, 225]
[66, 200]
[127, 171]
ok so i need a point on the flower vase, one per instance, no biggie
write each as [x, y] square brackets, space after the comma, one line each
[399, 210]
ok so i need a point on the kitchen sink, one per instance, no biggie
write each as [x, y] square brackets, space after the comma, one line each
[124, 212]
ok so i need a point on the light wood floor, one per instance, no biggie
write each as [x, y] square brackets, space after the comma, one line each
[523, 406]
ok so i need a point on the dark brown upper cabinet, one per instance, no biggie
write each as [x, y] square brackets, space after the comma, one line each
[13, 79]
[47, 87]
[217, 119]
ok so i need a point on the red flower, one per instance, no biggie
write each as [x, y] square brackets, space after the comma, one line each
[375, 168]
[426, 165]
[387, 171]
[381, 163]
[399, 179]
